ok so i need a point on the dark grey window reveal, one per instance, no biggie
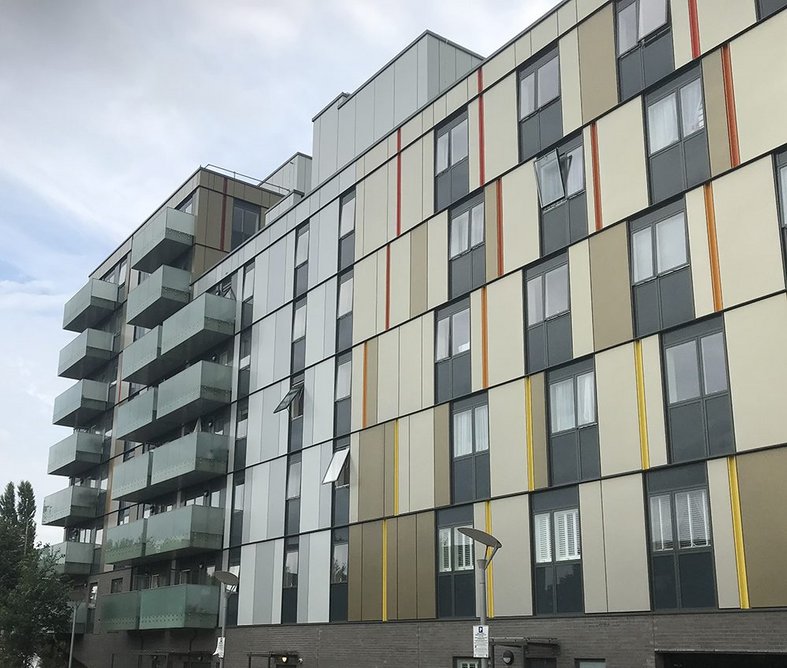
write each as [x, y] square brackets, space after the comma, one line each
[548, 316]
[466, 251]
[470, 449]
[557, 552]
[301, 260]
[678, 157]
[781, 189]
[247, 296]
[455, 563]
[660, 271]
[344, 370]
[452, 176]
[338, 475]
[245, 221]
[236, 519]
[292, 512]
[244, 363]
[452, 351]
[540, 113]
[344, 311]
[340, 566]
[644, 44]
[347, 230]
[699, 413]
[289, 594]
[293, 402]
[298, 335]
[560, 175]
[573, 425]
[680, 545]
[766, 8]
[241, 434]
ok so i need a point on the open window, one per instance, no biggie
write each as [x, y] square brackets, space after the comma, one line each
[334, 471]
[294, 394]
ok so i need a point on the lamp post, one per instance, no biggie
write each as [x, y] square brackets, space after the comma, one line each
[229, 585]
[489, 542]
[73, 633]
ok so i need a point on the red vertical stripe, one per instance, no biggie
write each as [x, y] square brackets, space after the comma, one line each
[398, 182]
[499, 199]
[387, 286]
[223, 214]
[596, 175]
[729, 101]
[481, 151]
[694, 28]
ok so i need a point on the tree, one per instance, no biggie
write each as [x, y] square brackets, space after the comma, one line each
[26, 514]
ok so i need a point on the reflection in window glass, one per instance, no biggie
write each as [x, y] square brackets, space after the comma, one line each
[683, 380]
[527, 95]
[627, 28]
[459, 229]
[573, 167]
[290, 569]
[477, 225]
[460, 326]
[441, 345]
[692, 110]
[294, 479]
[347, 222]
[481, 426]
[652, 15]
[302, 248]
[548, 82]
[660, 523]
[345, 297]
[691, 511]
[340, 563]
[670, 243]
[459, 142]
[642, 254]
[662, 123]
[714, 366]
[556, 289]
[586, 399]
[299, 322]
[550, 181]
[535, 302]
[442, 153]
[561, 405]
[343, 380]
[463, 433]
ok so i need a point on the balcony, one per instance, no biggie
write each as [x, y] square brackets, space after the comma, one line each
[137, 420]
[165, 291]
[125, 542]
[142, 361]
[203, 324]
[200, 389]
[187, 530]
[130, 479]
[119, 612]
[86, 353]
[94, 302]
[73, 558]
[75, 454]
[185, 606]
[73, 505]
[189, 460]
[166, 236]
[81, 403]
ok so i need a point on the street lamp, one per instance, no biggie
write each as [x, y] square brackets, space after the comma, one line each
[229, 582]
[489, 542]
[73, 632]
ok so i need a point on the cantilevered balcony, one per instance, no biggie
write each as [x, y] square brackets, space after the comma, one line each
[202, 388]
[125, 542]
[137, 420]
[94, 302]
[71, 506]
[75, 454]
[166, 236]
[192, 459]
[165, 291]
[119, 612]
[184, 606]
[81, 403]
[86, 353]
[130, 479]
[197, 327]
[142, 361]
[73, 558]
[187, 530]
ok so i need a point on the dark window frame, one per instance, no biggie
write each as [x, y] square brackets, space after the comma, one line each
[780, 177]
[244, 214]
[298, 346]
[344, 321]
[342, 404]
[289, 604]
[455, 586]
[452, 182]
[467, 268]
[542, 113]
[301, 275]
[472, 466]
[773, 7]
[339, 585]
[543, 327]
[346, 255]
[454, 368]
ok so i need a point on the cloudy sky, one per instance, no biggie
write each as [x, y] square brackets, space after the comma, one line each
[109, 105]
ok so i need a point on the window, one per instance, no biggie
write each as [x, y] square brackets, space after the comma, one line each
[644, 45]
[289, 598]
[452, 351]
[293, 394]
[343, 391]
[336, 466]
[660, 272]
[344, 312]
[340, 566]
[470, 449]
[560, 175]
[467, 260]
[247, 306]
[456, 551]
[338, 474]
[548, 328]
[540, 115]
[347, 230]
[781, 178]
[292, 512]
[245, 221]
[236, 519]
[467, 663]
[293, 402]
[573, 429]
[766, 8]
[678, 157]
[557, 552]
[699, 414]
[299, 335]
[241, 432]
[680, 538]
[455, 563]
[451, 162]
[116, 586]
[301, 260]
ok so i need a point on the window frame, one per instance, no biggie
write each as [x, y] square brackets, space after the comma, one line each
[675, 91]
[541, 277]
[466, 208]
[447, 130]
[651, 35]
[451, 318]
[533, 69]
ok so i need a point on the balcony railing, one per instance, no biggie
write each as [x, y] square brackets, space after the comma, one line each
[188, 461]
[130, 479]
[137, 419]
[119, 612]
[86, 353]
[187, 530]
[94, 302]
[167, 235]
[142, 361]
[202, 388]
[81, 403]
[73, 558]
[185, 606]
[125, 542]
[165, 291]
[73, 505]
[197, 327]
[75, 454]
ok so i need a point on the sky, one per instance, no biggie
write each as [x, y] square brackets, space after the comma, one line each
[109, 105]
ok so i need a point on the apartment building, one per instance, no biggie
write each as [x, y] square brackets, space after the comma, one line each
[541, 294]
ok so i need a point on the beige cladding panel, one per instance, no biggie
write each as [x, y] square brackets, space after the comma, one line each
[360, 198]
[622, 171]
[427, 360]
[418, 270]
[365, 299]
[437, 291]
[421, 472]
[400, 277]
[763, 500]
[616, 394]
[356, 406]
[654, 400]
[567, 16]
[476, 342]
[375, 210]
[391, 482]
[403, 469]
[697, 226]
[580, 299]
[716, 113]
[570, 91]
[209, 213]
[544, 32]
[719, 20]
[587, 7]
[539, 423]
[372, 577]
[723, 538]
[497, 66]
[490, 231]
[388, 375]
[412, 186]
[759, 83]
[442, 456]
[512, 590]
[598, 64]
[681, 32]
[371, 371]
[757, 359]
[505, 325]
[355, 459]
[355, 573]
[371, 473]
[507, 440]
[428, 174]
[625, 544]
[406, 592]
[410, 381]
[520, 218]
[594, 575]
[425, 565]
[474, 144]
[501, 131]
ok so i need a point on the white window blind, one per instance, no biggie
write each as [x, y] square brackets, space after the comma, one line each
[561, 405]
[336, 465]
[692, 110]
[442, 152]
[444, 555]
[481, 428]
[443, 337]
[660, 523]
[683, 380]
[573, 167]
[459, 234]
[714, 365]
[535, 301]
[527, 95]
[460, 332]
[302, 248]
[463, 433]
[627, 29]
[663, 123]
[691, 510]
[548, 81]
[567, 534]
[459, 142]
[463, 552]
[652, 15]
[586, 399]
[543, 538]
[556, 291]
[642, 254]
[347, 218]
[670, 243]
[345, 297]
[477, 225]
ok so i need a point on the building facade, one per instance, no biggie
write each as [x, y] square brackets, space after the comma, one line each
[541, 294]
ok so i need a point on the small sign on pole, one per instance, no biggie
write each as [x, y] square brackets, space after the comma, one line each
[219, 648]
[481, 641]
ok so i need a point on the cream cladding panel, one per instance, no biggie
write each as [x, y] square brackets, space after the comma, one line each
[654, 400]
[478, 354]
[474, 143]
[520, 218]
[696, 224]
[570, 92]
[719, 20]
[365, 299]
[507, 441]
[410, 367]
[412, 185]
[501, 139]
[581, 300]
[422, 465]
[512, 592]
[388, 376]
[723, 539]
[505, 324]
[594, 576]
[400, 277]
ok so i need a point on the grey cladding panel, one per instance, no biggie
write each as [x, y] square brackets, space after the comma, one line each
[383, 103]
[346, 150]
[264, 565]
[364, 115]
[447, 65]
[278, 477]
[406, 78]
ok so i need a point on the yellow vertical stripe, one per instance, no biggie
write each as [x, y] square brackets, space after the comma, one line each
[396, 467]
[490, 573]
[531, 474]
[641, 408]
[385, 571]
[737, 530]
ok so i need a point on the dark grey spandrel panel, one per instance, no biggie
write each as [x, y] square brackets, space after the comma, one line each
[665, 480]
[463, 480]
[554, 228]
[455, 515]
[578, 217]
[289, 605]
[568, 578]
[677, 298]
[563, 458]
[445, 596]
[461, 269]
[464, 594]
[296, 434]
[687, 427]
[768, 7]
[479, 266]
[697, 159]
[536, 348]
[482, 488]
[646, 308]
[338, 602]
[630, 78]
[544, 590]
[529, 138]
[346, 251]
[550, 120]
[667, 173]
[718, 413]
[589, 456]
[460, 180]
[663, 582]
[559, 346]
[344, 337]
[342, 424]
[697, 583]
[299, 355]
[658, 59]
[442, 190]
[443, 381]
[461, 379]
[301, 279]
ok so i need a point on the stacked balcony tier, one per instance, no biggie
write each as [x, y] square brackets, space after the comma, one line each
[125, 542]
[119, 612]
[92, 304]
[72, 506]
[73, 558]
[75, 454]
[163, 292]
[81, 404]
[185, 606]
[164, 238]
[86, 353]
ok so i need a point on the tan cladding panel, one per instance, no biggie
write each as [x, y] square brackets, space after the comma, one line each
[442, 456]
[388, 376]
[414, 173]
[747, 228]
[570, 93]
[501, 130]
[505, 327]
[610, 285]
[580, 299]
[521, 212]
[376, 472]
[210, 208]
[723, 538]
[507, 439]
[719, 20]
[598, 64]
[407, 557]
[538, 421]
[763, 500]
[425, 566]
[716, 113]
[760, 79]
[376, 218]
[757, 359]
[372, 571]
[512, 589]
[594, 575]
[621, 154]
[400, 277]
[355, 573]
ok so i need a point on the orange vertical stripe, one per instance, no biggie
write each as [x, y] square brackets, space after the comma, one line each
[499, 198]
[481, 159]
[387, 286]
[694, 29]
[729, 100]
[596, 175]
[484, 340]
[365, 383]
[713, 246]
[398, 182]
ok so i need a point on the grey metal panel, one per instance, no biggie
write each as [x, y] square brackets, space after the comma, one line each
[364, 119]
[329, 329]
[265, 590]
[246, 592]
[262, 353]
[255, 503]
[309, 399]
[303, 578]
[322, 407]
[282, 344]
[328, 241]
[318, 607]
[315, 318]
[464, 63]
[261, 268]
[311, 482]
[383, 103]
[274, 429]
[279, 265]
[328, 146]
[447, 66]
[326, 491]
[316, 128]
[276, 486]
[423, 72]
[406, 84]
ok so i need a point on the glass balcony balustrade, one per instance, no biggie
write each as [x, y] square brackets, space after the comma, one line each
[86, 353]
[75, 454]
[72, 506]
[130, 479]
[119, 612]
[125, 542]
[165, 237]
[197, 327]
[95, 301]
[73, 558]
[186, 530]
[161, 294]
[200, 389]
[81, 404]
[183, 606]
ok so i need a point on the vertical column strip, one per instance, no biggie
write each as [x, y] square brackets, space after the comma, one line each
[531, 474]
[729, 101]
[385, 571]
[737, 530]
[387, 286]
[484, 340]
[396, 467]
[364, 407]
[713, 246]
[499, 198]
[641, 407]
[223, 213]
[490, 572]
[398, 182]
[481, 144]
[694, 29]
[594, 158]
